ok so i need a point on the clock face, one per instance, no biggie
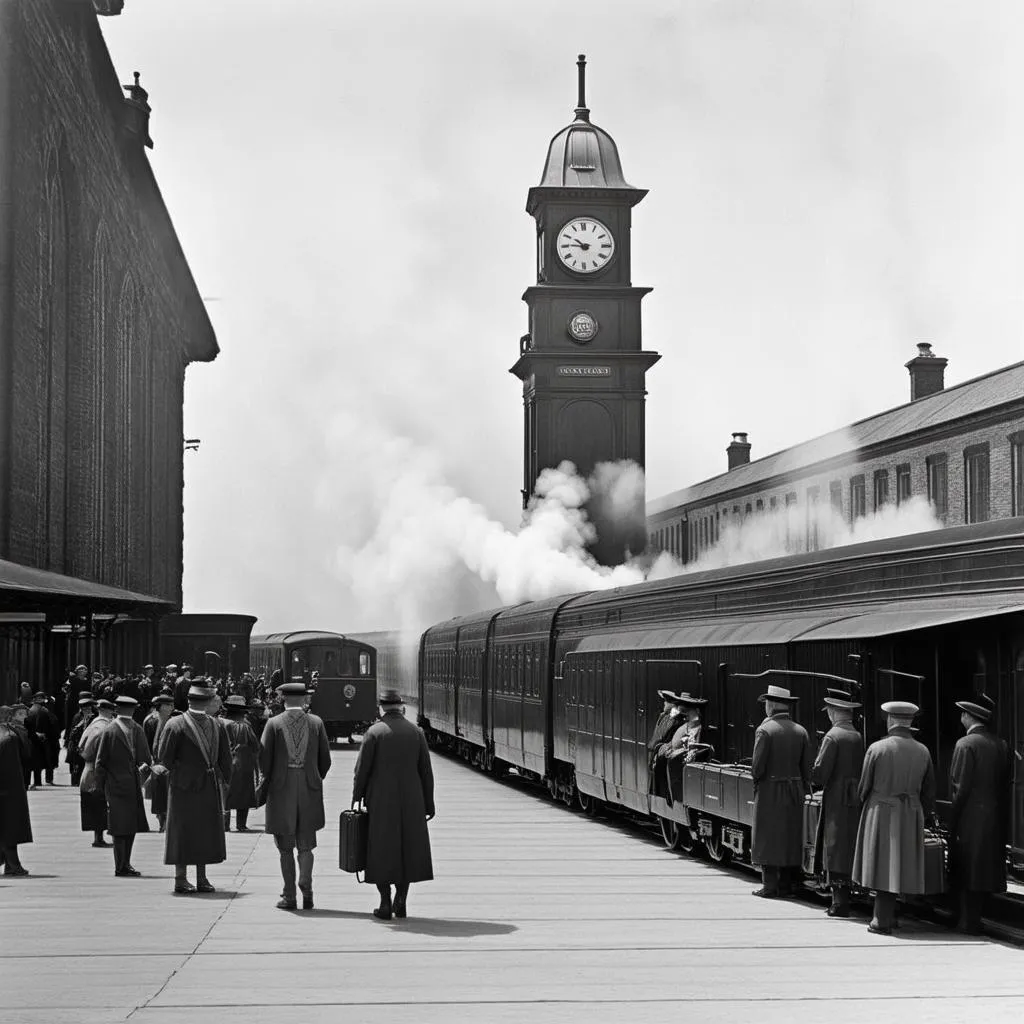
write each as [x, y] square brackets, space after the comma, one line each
[585, 245]
[582, 327]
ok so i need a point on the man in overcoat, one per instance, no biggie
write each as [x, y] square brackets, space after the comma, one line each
[979, 790]
[122, 762]
[193, 753]
[781, 767]
[394, 778]
[669, 721]
[44, 731]
[295, 757]
[86, 713]
[836, 773]
[15, 823]
[93, 802]
[897, 791]
[153, 727]
[245, 756]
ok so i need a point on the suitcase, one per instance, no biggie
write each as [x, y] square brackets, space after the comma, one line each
[934, 864]
[352, 834]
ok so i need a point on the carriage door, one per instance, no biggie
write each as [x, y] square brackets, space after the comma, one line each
[1017, 765]
[298, 669]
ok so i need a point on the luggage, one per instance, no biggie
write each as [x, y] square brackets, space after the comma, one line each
[935, 881]
[352, 835]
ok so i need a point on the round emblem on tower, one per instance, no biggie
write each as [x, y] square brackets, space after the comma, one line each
[582, 327]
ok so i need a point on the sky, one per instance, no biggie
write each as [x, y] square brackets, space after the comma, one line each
[831, 182]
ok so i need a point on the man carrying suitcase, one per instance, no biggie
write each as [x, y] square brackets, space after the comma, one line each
[296, 756]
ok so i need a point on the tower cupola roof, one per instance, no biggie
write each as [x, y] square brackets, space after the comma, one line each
[582, 155]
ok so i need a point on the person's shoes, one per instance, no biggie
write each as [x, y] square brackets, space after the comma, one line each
[17, 872]
[307, 900]
[399, 909]
[877, 929]
[243, 828]
[101, 843]
[286, 904]
[128, 872]
[767, 894]
[837, 911]
[383, 912]
[204, 886]
[33, 786]
[184, 888]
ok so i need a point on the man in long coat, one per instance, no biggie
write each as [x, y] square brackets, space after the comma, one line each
[295, 757]
[123, 753]
[152, 726]
[86, 713]
[781, 767]
[393, 776]
[93, 802]
[836, 772]
[897, 791]
[44, 731]
[193, 753]
[15, 823]
[245, 755]
[669, 721]
[979, 789]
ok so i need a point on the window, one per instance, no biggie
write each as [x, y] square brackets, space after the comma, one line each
[790, 498]
[858, 502]
[364, 663]
[718, 527]
[735, 510]
[813, 541]
[902, 483]
[760, 505]
[976, 483]
[835, 496]
[773, 502]
[881, 488]
[748, 509]
[1017, 473]
[938, 485]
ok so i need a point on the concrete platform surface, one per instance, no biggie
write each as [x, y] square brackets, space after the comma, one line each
[537, 915]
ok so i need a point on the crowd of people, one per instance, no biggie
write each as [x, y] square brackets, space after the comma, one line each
[877, 806]
[199, 749]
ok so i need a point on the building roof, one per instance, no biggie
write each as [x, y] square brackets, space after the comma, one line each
[998, 388]
[35, 589]
[582, 155]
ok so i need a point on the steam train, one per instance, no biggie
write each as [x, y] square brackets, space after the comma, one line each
[564, 691]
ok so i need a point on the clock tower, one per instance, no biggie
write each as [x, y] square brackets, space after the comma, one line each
[582, 363]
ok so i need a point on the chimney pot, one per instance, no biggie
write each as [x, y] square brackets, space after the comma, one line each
[927, 372]
[136, 113]
[738, 451]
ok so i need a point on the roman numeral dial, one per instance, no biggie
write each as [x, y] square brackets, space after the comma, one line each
[585, 245]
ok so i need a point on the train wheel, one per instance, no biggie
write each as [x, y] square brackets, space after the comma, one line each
[669, 833]
[686, 841]
[585, 801]
[719, 853]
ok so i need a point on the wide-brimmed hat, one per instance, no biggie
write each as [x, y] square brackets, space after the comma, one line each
[86, 700]
[901, 708]
[689, 701]
[201, 692]
[124, 701]
[390, 696]
[779, 693]
[236, 702]
[979, 711]
[671, 697]
[840, 699]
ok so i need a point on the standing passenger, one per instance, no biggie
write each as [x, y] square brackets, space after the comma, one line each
[122, 754]
[294, 759]
[837, 773]
[979, 789]
[658, 746]
[86, 713]
[245, 754]
[394, 777]
[93, 802]
[15, 823]
[153, 727]
[897, 790]
[781, 767]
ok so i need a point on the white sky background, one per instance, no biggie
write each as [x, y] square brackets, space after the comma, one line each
[831, 181]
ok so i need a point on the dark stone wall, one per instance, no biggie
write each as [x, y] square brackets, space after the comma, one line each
[105, 317]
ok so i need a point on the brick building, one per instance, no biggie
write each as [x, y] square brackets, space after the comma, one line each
[961, 447]
[99, 316]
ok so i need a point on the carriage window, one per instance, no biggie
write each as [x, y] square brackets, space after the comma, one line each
[364, 663]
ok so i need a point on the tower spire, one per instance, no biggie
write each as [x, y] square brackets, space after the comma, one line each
[582, 113]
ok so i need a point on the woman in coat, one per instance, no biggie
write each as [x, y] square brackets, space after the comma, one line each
[15, 824]
[394, 778]
[245, 756]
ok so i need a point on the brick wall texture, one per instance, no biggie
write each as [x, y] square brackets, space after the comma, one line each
[100, 333]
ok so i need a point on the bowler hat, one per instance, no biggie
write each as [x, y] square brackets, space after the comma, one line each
[979, 711]
[779, 693]
[900, 708]
[390, 696]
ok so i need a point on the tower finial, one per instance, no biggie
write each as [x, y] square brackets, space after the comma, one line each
[582, 113]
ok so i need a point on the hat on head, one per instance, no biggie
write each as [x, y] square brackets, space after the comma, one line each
[236, 702]
[124, 701]
[840, 699]
[107, 705]
[779, 693]
[161, 698]
[292, 689]
[390, 696]
[987, 701]
[692, 702]
[672, 697]
[144, 667]
[900, 708]
[978, 711]
[86, 700]
[167, 668]
[81, 668]
[200, 693]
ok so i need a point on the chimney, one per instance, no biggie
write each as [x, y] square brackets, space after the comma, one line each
[738, 451]
[927, 372]
[135, 120]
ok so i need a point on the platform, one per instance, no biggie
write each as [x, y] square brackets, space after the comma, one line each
[537, 915]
